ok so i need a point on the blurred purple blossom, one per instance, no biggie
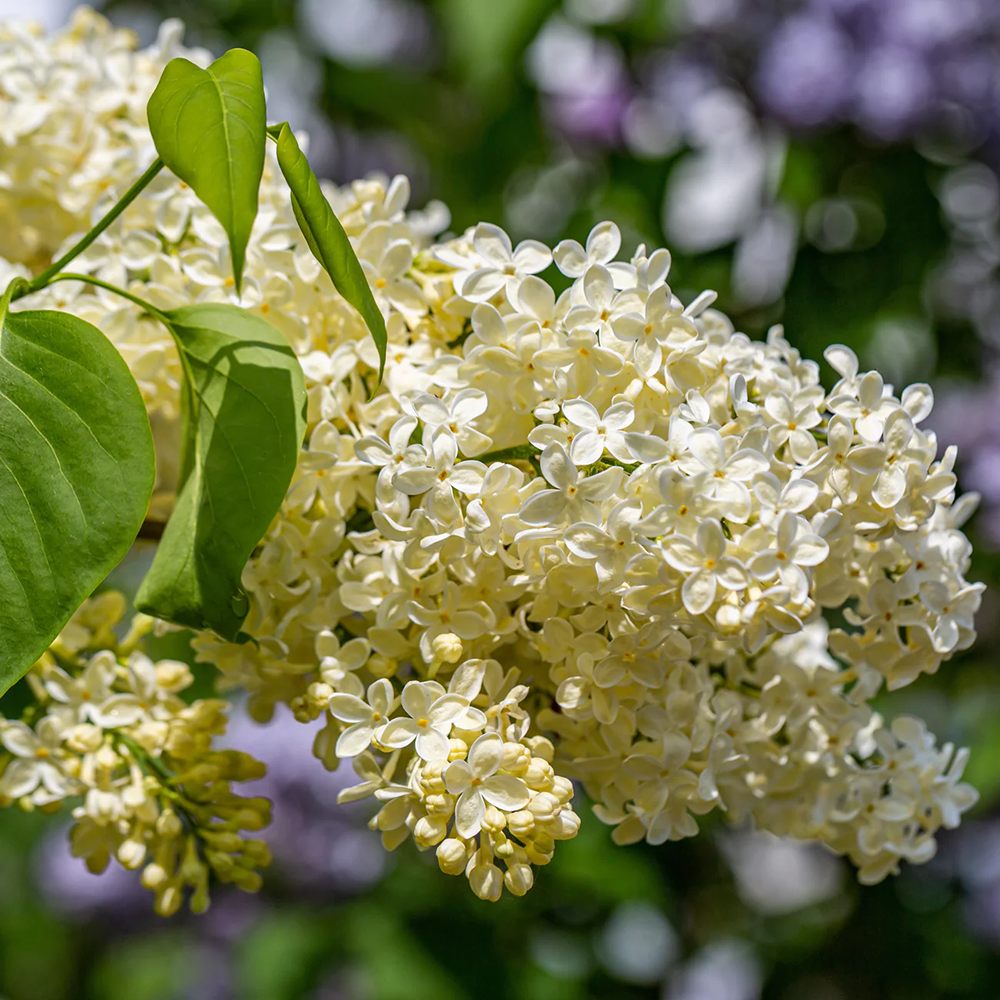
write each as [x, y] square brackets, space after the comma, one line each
[891, 68]
[316, 842]
[896, 70]
[804, 68]
[583, 81]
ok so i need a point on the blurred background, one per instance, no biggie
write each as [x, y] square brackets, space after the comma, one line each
[828, 164]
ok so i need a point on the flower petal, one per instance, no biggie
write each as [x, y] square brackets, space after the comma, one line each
[486, 754]
[469, 813]
[505, 792]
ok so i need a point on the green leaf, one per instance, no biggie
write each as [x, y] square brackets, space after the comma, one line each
[76, 473]
[244, 404]
[209, 128]
[327, 239]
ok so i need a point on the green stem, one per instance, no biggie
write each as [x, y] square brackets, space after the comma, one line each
[518, 451]
[144, 759]
[155, 768]
[608, 462]
[89, 279]
[126, 199]
[10, 293]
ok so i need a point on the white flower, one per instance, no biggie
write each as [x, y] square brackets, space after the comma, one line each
[793, 420]
[338, 665]
[727, 474]
[476, 783]
[869, 408]
[603, 243]
[397, 453]
[35, 771]
[497, 266]
[431, 716]
[953, 613]
[364, 718]
[610, 547]
[706, 565]
[456, 415]
[571, 496]
[442, 469]
[794, 547]
[594, 432]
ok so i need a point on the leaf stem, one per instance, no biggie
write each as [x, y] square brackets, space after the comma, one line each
[10, 293]
[126, 199]
[155, 768]
[518, 451]
[89, 279]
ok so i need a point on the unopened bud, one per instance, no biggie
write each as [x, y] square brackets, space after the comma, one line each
[447, 647]
[519, 879]
[429, 830]
[451, 856]
[486, 882]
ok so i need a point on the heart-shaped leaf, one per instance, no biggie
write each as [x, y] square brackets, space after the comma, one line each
[244, 420]
[76, 472]
[327, 239]
[209, 128]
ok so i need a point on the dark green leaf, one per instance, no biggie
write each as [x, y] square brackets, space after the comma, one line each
[327, 239]
[76, 472]
[244, 419]
[209, 128]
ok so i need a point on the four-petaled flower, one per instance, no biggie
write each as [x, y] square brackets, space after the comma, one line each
[706, 565]
[431, 713]
[365, 719]
[476, 782]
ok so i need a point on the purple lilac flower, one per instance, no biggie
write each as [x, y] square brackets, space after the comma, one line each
[583, 81]
[896, 70]
[316, 842]
[891, 68]
[805, 69]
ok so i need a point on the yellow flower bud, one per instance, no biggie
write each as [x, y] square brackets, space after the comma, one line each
[131, 853]
[539, 774]
[168, 900]
[494, 819]
[452, 856]
[519, 879]
[154, 876]
[544, 806]
[447, 647]
[84, 738]
[542, 747]
[516, 758]
[429, 830]
[521, 823]
[381, 666]
[168, 824]
[486, 882]
[565, 826]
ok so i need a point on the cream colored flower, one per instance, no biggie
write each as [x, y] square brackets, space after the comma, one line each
[477, 784]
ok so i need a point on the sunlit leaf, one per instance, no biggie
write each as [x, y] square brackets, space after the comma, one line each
[209, 128]
[327, 239]
[76, 473]
[244, 419]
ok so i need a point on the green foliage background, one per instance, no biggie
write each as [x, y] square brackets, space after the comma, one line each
[472, 122]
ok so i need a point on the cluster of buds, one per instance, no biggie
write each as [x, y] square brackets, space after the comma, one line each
[109, 732]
